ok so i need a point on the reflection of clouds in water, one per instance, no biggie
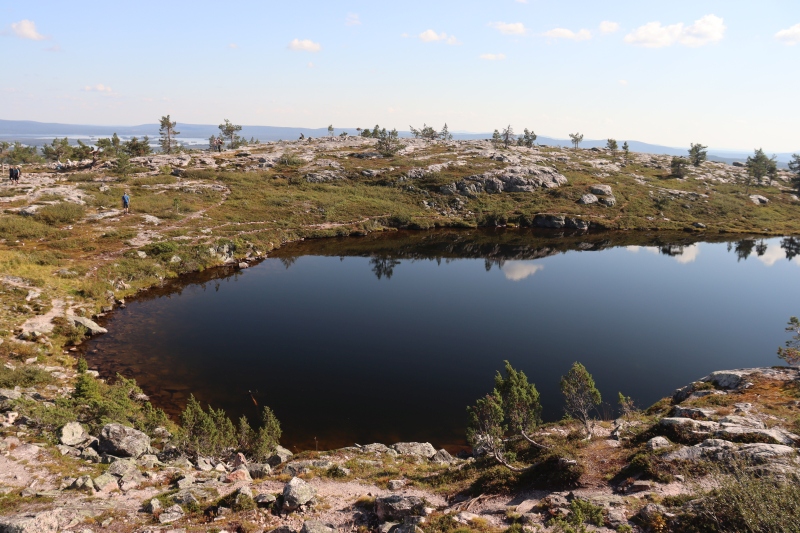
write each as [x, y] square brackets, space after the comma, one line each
[650, 249]
[774, 254]
[689, 254]
[519, 270]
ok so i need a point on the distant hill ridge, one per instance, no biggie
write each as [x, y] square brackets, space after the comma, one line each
[33, 132]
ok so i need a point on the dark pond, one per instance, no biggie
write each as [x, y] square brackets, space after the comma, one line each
[389, 338]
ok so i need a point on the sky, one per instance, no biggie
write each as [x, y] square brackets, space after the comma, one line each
[723, 73]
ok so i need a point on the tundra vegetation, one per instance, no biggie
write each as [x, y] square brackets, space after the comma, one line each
[64, 246]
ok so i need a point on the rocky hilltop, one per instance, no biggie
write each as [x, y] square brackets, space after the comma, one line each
[69, 255]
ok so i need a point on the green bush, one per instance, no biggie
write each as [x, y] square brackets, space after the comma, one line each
[95, 404]
[213, 433]
[748, 501]
[290, 160]
[15, 227]
[161, 248]
[60, 213]
[581, 513]
[27, 376]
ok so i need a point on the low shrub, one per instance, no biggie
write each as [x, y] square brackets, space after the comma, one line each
[15, 227]
[27, 376]
[60, 213]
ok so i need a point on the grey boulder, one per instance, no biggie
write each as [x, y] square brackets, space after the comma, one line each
[422, 449]
[73, 434]
[123, 441]
[315, 526]
[398, 507]
[296, 493]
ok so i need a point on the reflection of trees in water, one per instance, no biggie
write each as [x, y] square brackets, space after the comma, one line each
[791, 245]
[672, 250]
[287, 261]
[745, 247]
[490, 262]
[742, 248]
[383, 266]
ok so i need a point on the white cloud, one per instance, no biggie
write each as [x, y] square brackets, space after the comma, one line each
[404, 35]
[522, 1]
[509, 28]
[519, 270]
[706, 30]
[608, 26]
[563, 33]
[430, 36]
[100, 88]
[310, 64]
[654, 35]
[624, 83]
[790, 36]
[305, 45]
[352, 20]
[233, 46]
[26, 29]
[492, 57]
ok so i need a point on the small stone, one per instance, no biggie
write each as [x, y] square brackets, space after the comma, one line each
[185, 482]
[105, 481]
[153, 506]
[239, 474]
[315, 526]
[588, 199]
[171, 514]
[658, 443]
[397, 484]
[265, 499]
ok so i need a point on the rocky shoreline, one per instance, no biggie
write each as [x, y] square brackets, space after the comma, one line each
[131, 481]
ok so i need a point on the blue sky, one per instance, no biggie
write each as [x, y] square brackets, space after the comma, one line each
[724, 73]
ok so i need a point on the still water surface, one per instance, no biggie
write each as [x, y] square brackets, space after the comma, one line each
[389, 338]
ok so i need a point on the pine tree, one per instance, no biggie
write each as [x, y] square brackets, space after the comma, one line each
[576, 139]
[330, 130]
[611, 144]
[794, 166]
[697, 154]
[759, 166]
[528, 138]
[168, 133]
[678, 167]
[508, 135]
[496, 139]
[230, 131]
[581, 395]
[626, 151]
[445, 134]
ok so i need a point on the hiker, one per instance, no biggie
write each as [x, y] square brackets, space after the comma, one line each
[17, 174]
[126, 202]
[219, 145]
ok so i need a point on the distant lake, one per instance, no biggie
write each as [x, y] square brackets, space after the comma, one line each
[389, 337]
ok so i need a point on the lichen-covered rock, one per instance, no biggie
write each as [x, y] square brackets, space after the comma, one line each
[123, 441]
[398, 507]
[296, 493]
[422, 449]
[73, 434]
[315, 526]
